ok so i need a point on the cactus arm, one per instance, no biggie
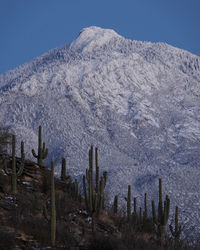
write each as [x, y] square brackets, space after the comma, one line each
[34, 154]
[45, 154]
[42, 152]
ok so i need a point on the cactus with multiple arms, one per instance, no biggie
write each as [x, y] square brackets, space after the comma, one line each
[42, 150]
[94, 194]
[161, 219]
[176, 232]
[15, 173]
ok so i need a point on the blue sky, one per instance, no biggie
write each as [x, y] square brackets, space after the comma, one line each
[29, 28]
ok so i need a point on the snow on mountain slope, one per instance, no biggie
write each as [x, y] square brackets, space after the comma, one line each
[139, 102]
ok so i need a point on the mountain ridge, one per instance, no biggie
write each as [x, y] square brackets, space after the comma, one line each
[63, 48]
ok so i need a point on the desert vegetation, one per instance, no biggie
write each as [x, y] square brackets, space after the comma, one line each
[39, 210]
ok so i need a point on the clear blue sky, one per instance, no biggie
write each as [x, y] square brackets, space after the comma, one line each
[28, 28]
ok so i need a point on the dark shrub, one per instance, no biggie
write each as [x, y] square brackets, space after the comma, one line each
[7, 238]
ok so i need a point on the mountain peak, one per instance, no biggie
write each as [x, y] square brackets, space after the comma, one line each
[92, 37]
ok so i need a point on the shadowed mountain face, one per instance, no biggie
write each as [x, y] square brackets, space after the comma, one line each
[139, 102]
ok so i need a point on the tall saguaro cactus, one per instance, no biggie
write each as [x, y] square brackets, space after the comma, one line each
[145, 215]
[52, 217]
[94, 193]
[53, 207]
[14, 173]
[97, 170]
[128, 201]
[42, 150]
[161, 219]
[63, 169]
[176, 232]
[115, 204]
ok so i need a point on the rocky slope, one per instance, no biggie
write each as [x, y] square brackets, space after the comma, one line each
[25, 216]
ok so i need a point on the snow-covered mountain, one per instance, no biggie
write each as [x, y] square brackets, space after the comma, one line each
[139, 102]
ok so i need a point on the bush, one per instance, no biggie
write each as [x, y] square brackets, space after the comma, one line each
[105, 243]
[7, 237]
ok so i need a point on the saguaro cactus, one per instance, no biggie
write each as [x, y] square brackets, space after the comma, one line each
[140, 216]
[145, 215]
[135, 206]
[176, 232]
[42, 150]
[115, 205]
[53, 207]
[135, 214]
[52, 217]
[161, 219]
[76, 194]
[63, 169]
[15, 173]
[94, 194]
[97, 170]
[128, 201]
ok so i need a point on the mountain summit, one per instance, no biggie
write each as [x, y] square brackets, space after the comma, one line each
[137, 101]
[92, 37]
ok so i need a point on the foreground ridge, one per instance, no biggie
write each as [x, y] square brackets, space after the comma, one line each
[75, 223]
